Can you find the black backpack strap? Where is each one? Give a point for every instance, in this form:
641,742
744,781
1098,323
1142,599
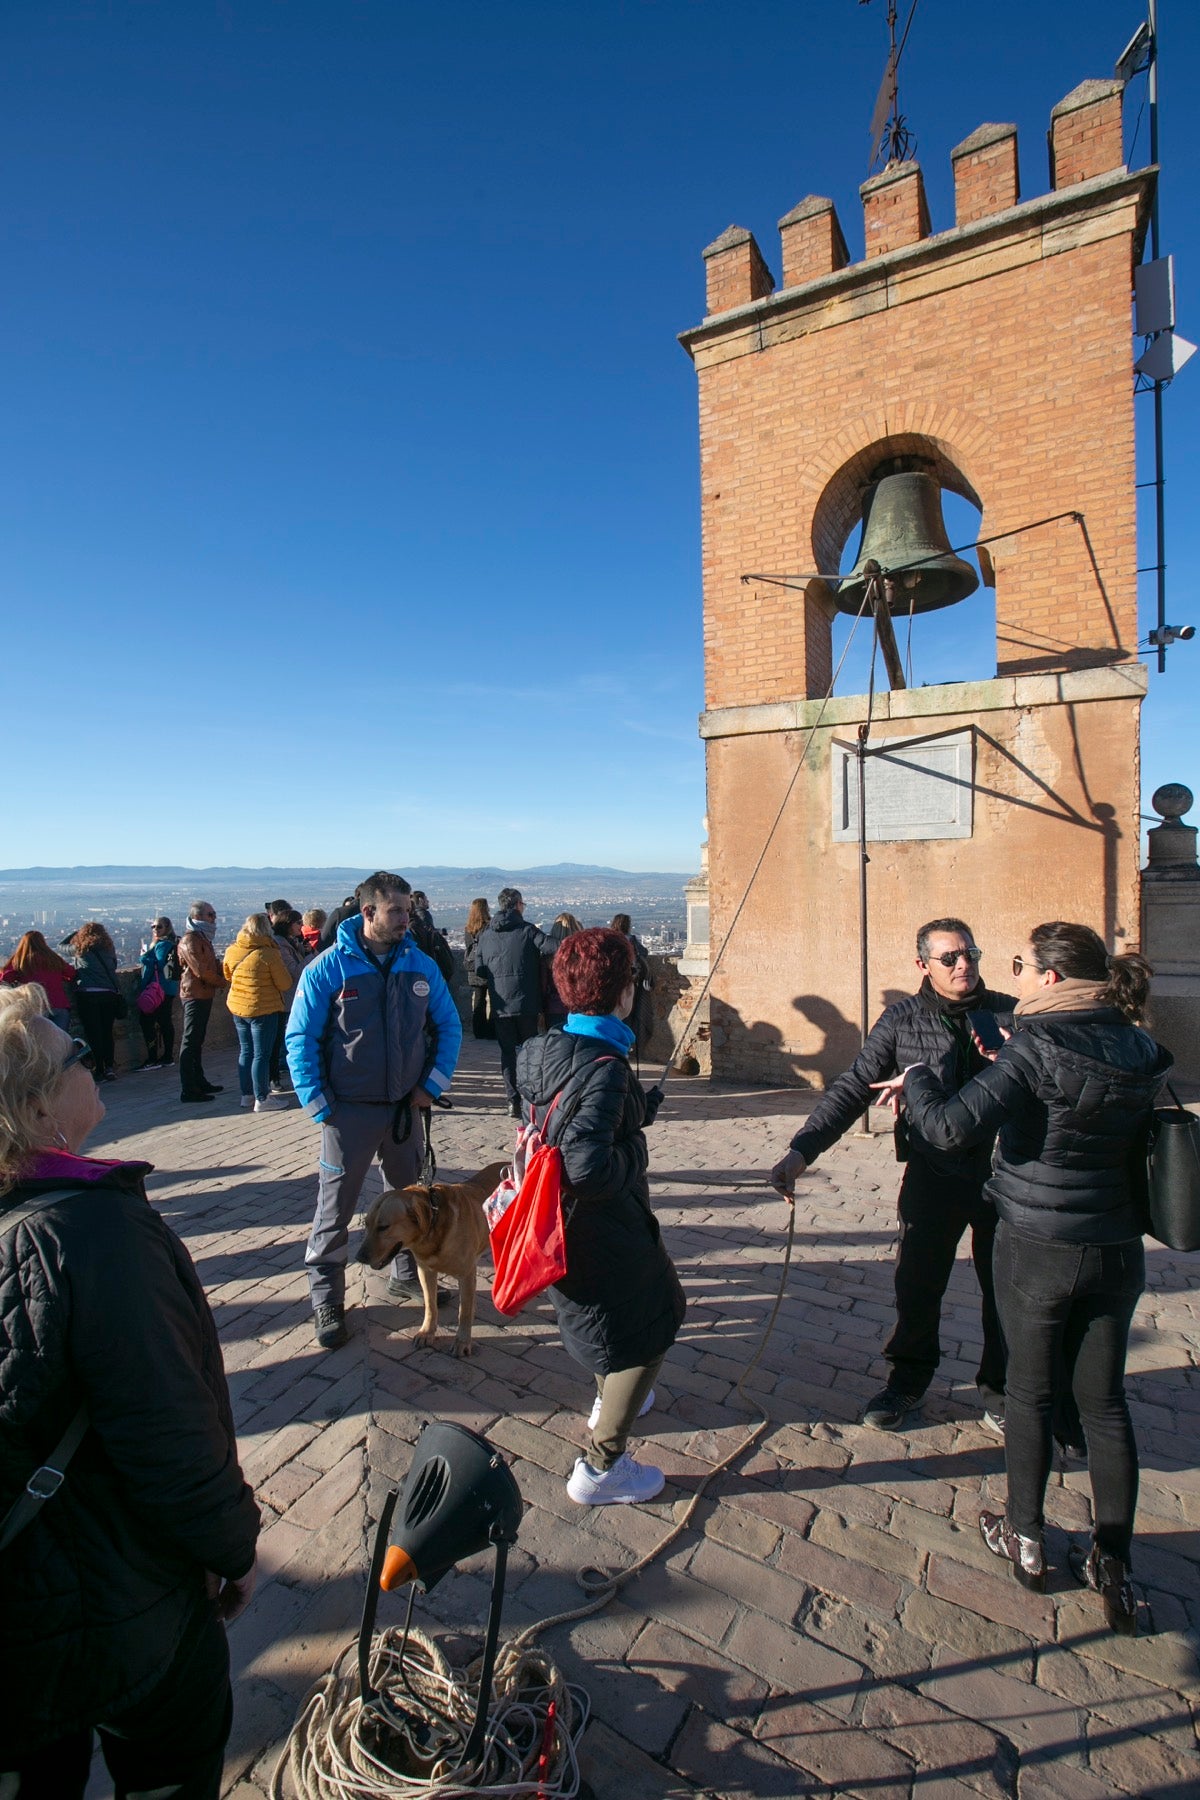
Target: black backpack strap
45,1481
568,1111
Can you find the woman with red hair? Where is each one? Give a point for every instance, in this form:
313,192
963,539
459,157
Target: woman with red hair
34,960
620,1304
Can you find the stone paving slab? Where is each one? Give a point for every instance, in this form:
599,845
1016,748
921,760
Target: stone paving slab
830,1622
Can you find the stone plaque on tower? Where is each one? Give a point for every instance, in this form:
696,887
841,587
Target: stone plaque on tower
915,787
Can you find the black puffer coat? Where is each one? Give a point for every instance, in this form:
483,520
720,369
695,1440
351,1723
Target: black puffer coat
1072,1095
100,1304
509,957
621,1304
470,942
923,1028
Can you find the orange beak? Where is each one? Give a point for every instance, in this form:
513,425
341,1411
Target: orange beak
398,1567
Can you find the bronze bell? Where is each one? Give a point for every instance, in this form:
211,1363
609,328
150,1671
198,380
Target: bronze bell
904,531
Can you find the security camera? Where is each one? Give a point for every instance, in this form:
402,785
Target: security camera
1163,635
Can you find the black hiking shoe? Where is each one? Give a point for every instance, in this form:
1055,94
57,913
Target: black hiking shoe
330,1321
412,1290
889,1410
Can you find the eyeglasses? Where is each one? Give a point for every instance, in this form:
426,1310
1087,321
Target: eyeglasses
82,1053
951,958
1019,963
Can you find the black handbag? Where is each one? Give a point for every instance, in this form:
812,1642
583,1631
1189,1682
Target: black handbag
1172,1200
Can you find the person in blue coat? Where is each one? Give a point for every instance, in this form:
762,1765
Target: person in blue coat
372,1041
160,963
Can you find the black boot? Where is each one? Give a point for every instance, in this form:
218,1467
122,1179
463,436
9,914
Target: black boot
1109,1577
1026,1555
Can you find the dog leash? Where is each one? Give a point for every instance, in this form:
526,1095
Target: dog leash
428,1173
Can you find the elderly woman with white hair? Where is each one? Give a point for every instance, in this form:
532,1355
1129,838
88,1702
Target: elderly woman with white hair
137,1545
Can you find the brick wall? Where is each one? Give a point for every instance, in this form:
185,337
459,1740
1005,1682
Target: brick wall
1001,351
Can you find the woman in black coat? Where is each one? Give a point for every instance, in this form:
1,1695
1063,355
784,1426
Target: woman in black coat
114,1595
478,920
1072,1094
620,1304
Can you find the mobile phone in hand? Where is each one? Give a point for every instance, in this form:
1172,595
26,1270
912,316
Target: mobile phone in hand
987,1030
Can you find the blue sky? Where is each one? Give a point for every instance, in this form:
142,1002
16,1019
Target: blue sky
348,467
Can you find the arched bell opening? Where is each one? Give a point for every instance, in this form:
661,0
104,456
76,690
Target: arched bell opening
908,503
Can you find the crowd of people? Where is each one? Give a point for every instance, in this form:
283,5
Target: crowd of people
1020,1117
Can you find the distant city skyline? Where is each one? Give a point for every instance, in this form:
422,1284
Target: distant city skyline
350,490
127,906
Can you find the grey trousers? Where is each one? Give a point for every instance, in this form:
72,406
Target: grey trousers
351,1138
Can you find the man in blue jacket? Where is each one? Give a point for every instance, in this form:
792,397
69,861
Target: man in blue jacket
372,1041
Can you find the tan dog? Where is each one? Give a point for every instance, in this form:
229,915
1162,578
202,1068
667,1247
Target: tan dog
446,1231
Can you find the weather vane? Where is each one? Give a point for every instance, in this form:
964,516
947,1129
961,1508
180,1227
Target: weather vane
891,140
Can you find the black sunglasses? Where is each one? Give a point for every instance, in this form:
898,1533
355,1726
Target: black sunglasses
82,1053
1019,963
949,958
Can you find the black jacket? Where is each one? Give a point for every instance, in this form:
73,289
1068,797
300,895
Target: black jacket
620,1304
1072,1095
509,957
329,930
470,943
920,1028
100,1303
433,942
552,1006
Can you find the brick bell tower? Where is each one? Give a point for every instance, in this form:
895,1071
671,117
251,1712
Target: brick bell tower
996,355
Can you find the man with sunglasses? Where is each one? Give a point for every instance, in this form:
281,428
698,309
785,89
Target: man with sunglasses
946,1025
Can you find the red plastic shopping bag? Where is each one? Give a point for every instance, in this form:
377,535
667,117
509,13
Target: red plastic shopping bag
524,1214
528,1248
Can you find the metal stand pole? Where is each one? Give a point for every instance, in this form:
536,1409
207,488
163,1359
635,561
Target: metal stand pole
474,1747
366,1627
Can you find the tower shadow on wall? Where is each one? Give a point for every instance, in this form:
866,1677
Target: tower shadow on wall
757,1052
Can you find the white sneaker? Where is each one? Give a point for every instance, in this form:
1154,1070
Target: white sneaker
246,1102
272,1103
626,1483
594,1415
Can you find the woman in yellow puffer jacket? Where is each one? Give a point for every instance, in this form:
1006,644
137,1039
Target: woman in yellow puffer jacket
258,982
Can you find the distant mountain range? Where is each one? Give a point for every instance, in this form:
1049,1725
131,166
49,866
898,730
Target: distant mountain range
334,877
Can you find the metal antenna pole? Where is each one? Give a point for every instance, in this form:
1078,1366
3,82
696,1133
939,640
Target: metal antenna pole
1159,476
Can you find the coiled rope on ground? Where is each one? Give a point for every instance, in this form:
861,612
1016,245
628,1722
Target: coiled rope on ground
409,1739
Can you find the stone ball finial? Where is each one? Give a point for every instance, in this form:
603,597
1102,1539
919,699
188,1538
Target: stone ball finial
1172,800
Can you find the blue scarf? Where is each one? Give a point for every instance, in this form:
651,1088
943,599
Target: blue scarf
614,1031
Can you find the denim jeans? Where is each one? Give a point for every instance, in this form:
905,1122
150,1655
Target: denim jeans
1066,1310
256,1039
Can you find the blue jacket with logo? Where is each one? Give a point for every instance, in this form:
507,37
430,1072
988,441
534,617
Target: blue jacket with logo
357,1035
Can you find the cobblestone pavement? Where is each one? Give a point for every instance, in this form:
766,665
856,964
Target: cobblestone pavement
830,1623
